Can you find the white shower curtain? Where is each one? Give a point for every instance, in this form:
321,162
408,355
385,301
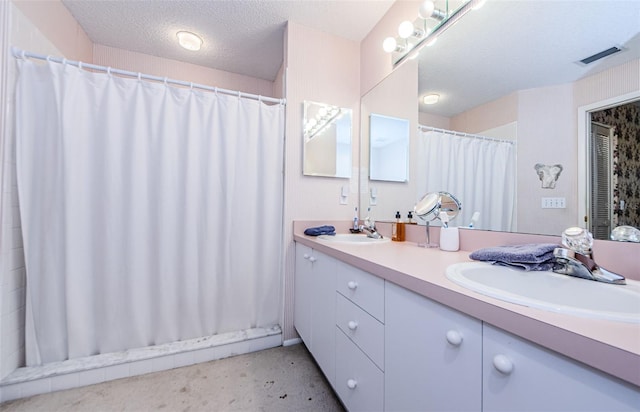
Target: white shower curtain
480,173
150,213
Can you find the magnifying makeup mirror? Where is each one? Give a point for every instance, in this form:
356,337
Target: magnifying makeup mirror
431,205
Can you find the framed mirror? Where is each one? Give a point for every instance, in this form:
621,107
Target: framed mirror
327,140
388,148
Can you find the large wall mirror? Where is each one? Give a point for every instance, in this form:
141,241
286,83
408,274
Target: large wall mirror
327,140
503,74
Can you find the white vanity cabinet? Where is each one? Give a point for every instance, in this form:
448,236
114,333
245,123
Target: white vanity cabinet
519,375
359,339
314,314
433,355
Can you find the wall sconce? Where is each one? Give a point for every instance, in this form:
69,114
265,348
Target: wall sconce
412,36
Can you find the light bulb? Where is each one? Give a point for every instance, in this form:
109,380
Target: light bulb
431,99
426,9
406,29
389,44
189,40
322,112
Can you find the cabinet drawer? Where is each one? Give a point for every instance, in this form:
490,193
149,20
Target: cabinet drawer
362,288
363,329
359,383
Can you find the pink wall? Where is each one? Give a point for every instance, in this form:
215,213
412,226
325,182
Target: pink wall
487,116
174,69
322,68
59,27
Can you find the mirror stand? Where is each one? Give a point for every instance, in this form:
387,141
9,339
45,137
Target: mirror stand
428,244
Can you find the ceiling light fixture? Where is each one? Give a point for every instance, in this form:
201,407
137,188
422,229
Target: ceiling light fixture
431,98
189,41
413,36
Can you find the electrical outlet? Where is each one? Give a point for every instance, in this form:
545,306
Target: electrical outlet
553,203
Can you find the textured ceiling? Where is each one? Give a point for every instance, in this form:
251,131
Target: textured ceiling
240,36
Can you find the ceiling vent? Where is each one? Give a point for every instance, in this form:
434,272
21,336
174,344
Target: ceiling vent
601,55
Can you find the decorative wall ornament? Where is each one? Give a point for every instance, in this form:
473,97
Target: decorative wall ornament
548,174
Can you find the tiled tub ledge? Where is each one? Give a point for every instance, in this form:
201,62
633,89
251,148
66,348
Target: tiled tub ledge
28,381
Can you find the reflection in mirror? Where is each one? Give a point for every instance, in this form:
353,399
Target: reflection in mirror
327,140
527,86
614,184
479,169
432,206
388,148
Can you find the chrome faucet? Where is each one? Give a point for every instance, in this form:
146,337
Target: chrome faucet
369,228
371,231
577,260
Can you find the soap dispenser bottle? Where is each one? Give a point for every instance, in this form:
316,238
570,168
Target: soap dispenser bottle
397,229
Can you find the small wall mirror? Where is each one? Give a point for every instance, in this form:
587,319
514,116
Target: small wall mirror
327,140
388,148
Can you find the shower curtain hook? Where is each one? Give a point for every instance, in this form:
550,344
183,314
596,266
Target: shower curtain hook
191,85
48,58
23,55
64,61
165,81
215,90
80,65
109,70
139,76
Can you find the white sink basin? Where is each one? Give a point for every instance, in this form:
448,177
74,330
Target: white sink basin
551,291
357,238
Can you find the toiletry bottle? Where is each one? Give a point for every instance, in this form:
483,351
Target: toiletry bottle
449,236
410,220
355,228
397,229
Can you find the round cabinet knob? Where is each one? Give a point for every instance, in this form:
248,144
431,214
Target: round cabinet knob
352,285
454,338
306,256
353,325
312,259
503,364
352,383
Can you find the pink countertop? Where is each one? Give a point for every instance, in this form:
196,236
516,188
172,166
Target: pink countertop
613,347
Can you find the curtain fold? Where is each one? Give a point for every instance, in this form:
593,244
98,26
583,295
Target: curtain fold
150,213
478,172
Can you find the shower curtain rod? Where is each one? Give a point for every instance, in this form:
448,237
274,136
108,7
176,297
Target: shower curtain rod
462,134
21,54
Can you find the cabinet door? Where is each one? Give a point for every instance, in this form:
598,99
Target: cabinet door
303,292
521,376
323,313
433,355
